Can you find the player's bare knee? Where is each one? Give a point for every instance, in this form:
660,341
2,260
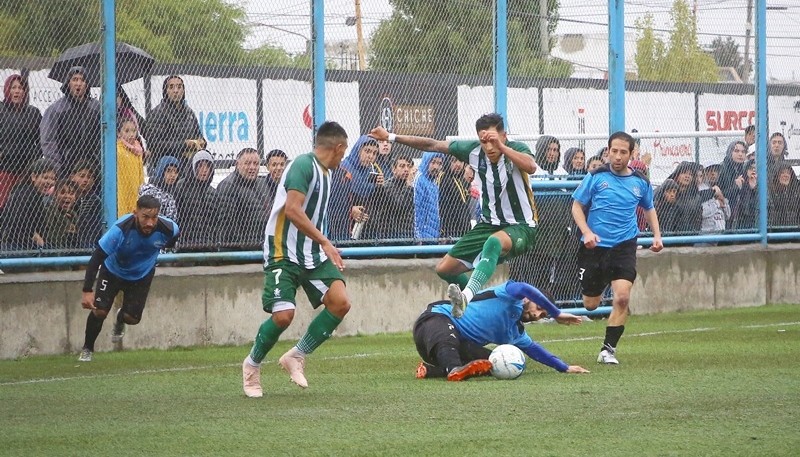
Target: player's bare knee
131,320
591,303
101,313
283,318
338,306
621,300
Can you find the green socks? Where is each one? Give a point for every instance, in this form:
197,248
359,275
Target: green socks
485,268
318,331
267,336
460,279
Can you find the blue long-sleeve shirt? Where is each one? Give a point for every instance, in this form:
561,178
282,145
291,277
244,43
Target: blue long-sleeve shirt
493,316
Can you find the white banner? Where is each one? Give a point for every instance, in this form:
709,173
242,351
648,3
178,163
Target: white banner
474,102
288,113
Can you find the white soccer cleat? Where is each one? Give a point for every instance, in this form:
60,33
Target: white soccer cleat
86,355
294,364
251,380
457,299
608,357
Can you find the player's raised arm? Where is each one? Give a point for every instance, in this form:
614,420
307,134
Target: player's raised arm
417,142
524,162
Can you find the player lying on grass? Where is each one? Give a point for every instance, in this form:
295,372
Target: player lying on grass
454,348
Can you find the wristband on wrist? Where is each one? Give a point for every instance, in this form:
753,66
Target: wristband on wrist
392,137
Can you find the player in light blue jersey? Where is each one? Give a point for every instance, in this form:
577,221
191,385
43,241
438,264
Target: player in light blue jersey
607,253
455,348
126,256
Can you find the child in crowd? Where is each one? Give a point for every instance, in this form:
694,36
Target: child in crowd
61,219
88,206
162,186
130,166
22,224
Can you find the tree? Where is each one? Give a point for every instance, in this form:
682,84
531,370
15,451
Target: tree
172,31
726,54
423,36
682,60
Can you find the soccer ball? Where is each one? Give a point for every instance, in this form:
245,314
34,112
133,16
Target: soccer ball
508,361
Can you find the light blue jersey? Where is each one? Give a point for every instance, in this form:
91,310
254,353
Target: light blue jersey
493,317
132,255
612,200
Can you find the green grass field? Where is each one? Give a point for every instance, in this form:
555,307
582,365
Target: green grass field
689,384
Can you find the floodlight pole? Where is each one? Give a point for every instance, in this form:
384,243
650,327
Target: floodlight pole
109,113
318,62
501,59
616,66
762,146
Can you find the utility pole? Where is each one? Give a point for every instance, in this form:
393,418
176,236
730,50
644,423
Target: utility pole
747,33
544,33
362,59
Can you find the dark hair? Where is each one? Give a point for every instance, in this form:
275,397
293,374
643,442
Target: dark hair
247,151
276,153
148,202
402,157
39,166
66,183
328,133
85,164
749,129
488,121
123,119
624,137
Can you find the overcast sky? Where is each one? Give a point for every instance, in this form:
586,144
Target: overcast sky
715,17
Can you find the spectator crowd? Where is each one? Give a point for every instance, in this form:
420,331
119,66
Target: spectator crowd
50,194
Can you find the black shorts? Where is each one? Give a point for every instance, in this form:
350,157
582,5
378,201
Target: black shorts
599,266
134,292
434,329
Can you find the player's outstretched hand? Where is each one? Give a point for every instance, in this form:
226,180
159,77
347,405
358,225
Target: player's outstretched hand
577,369
591,240
333,254
569,319
658,245
379,133
87,300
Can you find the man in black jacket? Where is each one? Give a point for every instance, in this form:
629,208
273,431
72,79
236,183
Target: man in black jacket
243,204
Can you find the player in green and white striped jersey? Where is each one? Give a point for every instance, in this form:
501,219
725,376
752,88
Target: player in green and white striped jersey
297,253
508,213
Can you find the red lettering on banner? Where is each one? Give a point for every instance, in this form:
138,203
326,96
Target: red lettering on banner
670,150
729,120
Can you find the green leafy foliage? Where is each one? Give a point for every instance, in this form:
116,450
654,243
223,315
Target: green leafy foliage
679,60
455,37
172,31
726,54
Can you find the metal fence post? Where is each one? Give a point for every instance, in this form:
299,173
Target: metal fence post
109,113
501,59
762,146
318,61
616,66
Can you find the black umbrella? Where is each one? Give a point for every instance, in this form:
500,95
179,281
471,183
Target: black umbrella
132,63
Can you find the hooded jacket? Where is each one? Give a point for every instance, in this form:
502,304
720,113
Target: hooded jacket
784,201
690,199
543,167
244,209
196,201
729,171
568,156
362,185
745,211
19,131
426,200
160,190
70,128
667,212
454,202
169,125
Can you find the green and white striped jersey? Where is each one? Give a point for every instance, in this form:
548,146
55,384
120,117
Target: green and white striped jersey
506,195
283,241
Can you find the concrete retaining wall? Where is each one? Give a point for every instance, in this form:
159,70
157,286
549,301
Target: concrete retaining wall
40,313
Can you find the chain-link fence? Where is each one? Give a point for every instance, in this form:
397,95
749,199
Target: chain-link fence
216,97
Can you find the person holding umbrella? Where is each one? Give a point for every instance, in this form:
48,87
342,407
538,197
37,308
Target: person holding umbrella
171,128
70,128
